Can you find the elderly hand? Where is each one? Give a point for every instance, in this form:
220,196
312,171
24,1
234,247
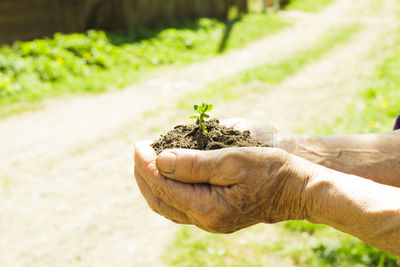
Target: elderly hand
224,190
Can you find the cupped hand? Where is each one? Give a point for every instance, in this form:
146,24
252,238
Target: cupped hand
223,190
262,133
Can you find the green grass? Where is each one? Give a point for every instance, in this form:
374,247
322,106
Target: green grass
308,5
259,78
334,248
277,245
196,248
99,61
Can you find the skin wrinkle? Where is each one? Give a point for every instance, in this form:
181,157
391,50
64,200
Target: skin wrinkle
281,196
193,163
309,206
220,194
202,191
195,221
339,159
393,233
225,217
391,230
356,211
276,202
221,220
330,155
248,205
157,205
170,198
160,191
141,185
305,213
304,203
318,191
211,199
231,223
372,156
243,205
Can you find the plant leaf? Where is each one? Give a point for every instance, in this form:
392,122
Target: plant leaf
209,108
195,107
193,117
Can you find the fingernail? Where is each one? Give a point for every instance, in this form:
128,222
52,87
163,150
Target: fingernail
166,162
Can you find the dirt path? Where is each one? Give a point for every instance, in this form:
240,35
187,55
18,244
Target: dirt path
321,92
66,190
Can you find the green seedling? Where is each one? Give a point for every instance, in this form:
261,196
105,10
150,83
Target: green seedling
202,111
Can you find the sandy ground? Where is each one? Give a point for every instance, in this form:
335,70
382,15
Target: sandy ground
67,196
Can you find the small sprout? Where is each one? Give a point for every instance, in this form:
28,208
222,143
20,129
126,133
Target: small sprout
202,111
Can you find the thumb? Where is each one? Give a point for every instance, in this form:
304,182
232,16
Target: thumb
195,166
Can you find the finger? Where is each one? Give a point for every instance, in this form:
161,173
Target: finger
157,205
144,153
217,167
181,196
144,156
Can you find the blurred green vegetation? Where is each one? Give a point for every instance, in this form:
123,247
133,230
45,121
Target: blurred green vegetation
308,5
334,248
196,248
259,78
299,5
294,243
98,61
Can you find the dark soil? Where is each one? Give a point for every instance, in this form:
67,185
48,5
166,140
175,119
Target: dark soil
192,137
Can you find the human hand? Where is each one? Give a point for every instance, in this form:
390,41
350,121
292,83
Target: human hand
264,134
223,190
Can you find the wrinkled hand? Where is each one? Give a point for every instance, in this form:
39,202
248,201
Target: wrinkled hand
222,190
264,134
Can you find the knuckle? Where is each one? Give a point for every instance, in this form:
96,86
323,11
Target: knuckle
229,162
279,155
229,166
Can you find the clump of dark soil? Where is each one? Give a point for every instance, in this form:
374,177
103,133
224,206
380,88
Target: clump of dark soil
192,137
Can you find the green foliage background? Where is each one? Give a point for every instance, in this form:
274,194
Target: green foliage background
98,61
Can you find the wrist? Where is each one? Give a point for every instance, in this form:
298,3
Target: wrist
334,198
317,194
299,193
